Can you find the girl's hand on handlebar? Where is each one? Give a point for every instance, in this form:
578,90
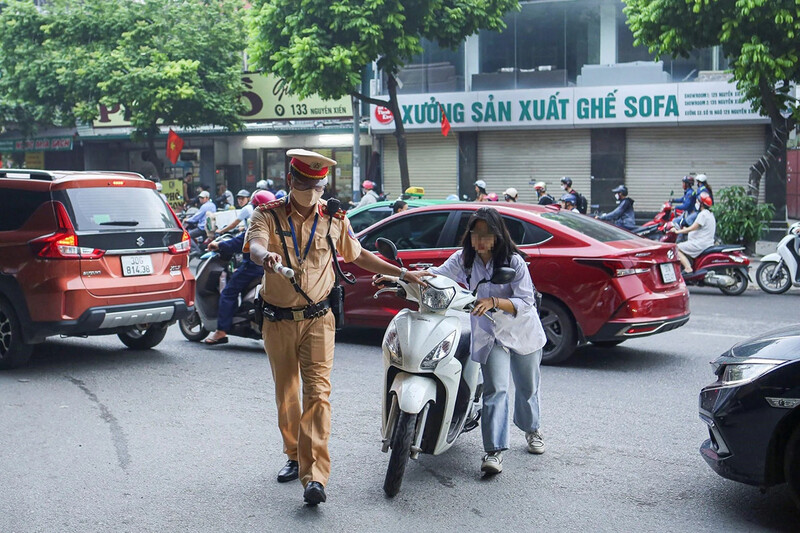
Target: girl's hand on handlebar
482,306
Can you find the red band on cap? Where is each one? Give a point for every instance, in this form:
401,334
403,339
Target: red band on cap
307,171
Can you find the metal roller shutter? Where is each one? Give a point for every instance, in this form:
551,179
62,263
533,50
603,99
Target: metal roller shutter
657,159
513,158
432,164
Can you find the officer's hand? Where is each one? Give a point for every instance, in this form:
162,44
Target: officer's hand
213,246
380,280
270,260
417,277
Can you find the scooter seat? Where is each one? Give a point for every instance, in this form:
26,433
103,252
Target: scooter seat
721,248
463,348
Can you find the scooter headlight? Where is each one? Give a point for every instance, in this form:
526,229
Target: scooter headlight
392,343
437,299
438,353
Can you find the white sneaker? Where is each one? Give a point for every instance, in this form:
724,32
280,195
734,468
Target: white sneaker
492,463
535,442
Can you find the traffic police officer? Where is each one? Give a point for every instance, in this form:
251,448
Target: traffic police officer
299,328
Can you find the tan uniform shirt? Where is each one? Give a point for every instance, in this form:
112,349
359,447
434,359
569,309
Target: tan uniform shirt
316,274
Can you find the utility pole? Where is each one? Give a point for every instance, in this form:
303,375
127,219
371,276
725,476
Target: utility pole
356,150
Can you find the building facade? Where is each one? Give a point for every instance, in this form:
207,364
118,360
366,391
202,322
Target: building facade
562,91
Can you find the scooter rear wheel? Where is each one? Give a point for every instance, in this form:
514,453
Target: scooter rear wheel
192,328
781,282
401,451
737,288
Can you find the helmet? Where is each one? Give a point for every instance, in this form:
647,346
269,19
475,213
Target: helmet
481,184
159,187
566,180
243,193
540,186
452,197
492,197
794,229
369,185
569,198
280,194
688,180
621,189
701,178
262,197
511,192
262,184
705,199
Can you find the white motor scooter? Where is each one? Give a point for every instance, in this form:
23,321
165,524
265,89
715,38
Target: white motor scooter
431,393
780,270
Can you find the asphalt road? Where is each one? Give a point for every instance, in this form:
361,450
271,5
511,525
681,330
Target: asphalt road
95,437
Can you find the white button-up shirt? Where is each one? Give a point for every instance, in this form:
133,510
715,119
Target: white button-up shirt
523,332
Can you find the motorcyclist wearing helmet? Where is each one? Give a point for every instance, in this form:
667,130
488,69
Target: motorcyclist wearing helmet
703,185
566,186
480,191
492,197
701,232
246,209
369,196
241,277
687,201
568,201
541,193
160,189
623,215
510,194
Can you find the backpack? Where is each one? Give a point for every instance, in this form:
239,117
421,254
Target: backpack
582,203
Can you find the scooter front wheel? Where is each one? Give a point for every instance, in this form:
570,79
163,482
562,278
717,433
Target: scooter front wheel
773,278
192,327
401,451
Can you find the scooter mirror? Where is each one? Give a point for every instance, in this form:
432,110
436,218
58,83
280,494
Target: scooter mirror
503,275
386,248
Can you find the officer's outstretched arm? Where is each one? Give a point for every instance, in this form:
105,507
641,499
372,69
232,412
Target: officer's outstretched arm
369,261
260,255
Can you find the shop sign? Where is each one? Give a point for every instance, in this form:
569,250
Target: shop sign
34,159
266,97
173,190
51,144
668,104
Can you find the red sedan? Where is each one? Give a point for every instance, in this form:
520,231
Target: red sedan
600,284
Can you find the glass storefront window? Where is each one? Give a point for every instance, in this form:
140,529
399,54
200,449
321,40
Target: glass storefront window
545,44
435,70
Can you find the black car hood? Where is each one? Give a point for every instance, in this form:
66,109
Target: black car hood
783,344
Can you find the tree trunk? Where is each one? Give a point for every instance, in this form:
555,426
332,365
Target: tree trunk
399,134
775,151
152,155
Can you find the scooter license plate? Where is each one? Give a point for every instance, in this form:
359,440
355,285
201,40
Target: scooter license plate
668,272
136,265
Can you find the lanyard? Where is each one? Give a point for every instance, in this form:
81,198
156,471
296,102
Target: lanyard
301,259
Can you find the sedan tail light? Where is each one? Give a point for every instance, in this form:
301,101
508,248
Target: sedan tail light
180,247
617,268
63,243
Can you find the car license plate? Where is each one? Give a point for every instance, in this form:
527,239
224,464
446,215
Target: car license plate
668,272
137,265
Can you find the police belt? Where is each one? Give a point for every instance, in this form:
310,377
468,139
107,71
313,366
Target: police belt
297,314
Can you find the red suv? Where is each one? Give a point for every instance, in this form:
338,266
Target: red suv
88,253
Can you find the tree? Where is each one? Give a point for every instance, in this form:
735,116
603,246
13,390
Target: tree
162,61
323,46
759,38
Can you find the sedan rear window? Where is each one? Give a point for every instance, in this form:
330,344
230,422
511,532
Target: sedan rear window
115,208
590,227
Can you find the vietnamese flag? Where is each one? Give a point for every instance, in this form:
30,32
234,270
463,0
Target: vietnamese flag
174,146
445,122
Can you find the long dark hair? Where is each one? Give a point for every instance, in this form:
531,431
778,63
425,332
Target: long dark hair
504,246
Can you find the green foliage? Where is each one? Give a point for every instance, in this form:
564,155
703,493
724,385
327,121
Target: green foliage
758,37
162,60
322,46
740,219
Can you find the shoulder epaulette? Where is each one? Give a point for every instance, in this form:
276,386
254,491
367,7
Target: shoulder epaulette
271,205
340,214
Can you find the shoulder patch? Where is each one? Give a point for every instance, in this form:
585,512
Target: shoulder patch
340,214
270,205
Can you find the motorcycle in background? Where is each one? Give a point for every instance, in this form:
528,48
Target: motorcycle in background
723,266
658,229
431,390
781,269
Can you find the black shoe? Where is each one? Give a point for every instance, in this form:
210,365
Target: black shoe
288,472
314,493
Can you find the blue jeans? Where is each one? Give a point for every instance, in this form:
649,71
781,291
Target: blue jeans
229,299
524,369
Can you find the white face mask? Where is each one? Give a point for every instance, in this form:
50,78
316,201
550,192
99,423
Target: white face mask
563,187
306,198
616,196
697,206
